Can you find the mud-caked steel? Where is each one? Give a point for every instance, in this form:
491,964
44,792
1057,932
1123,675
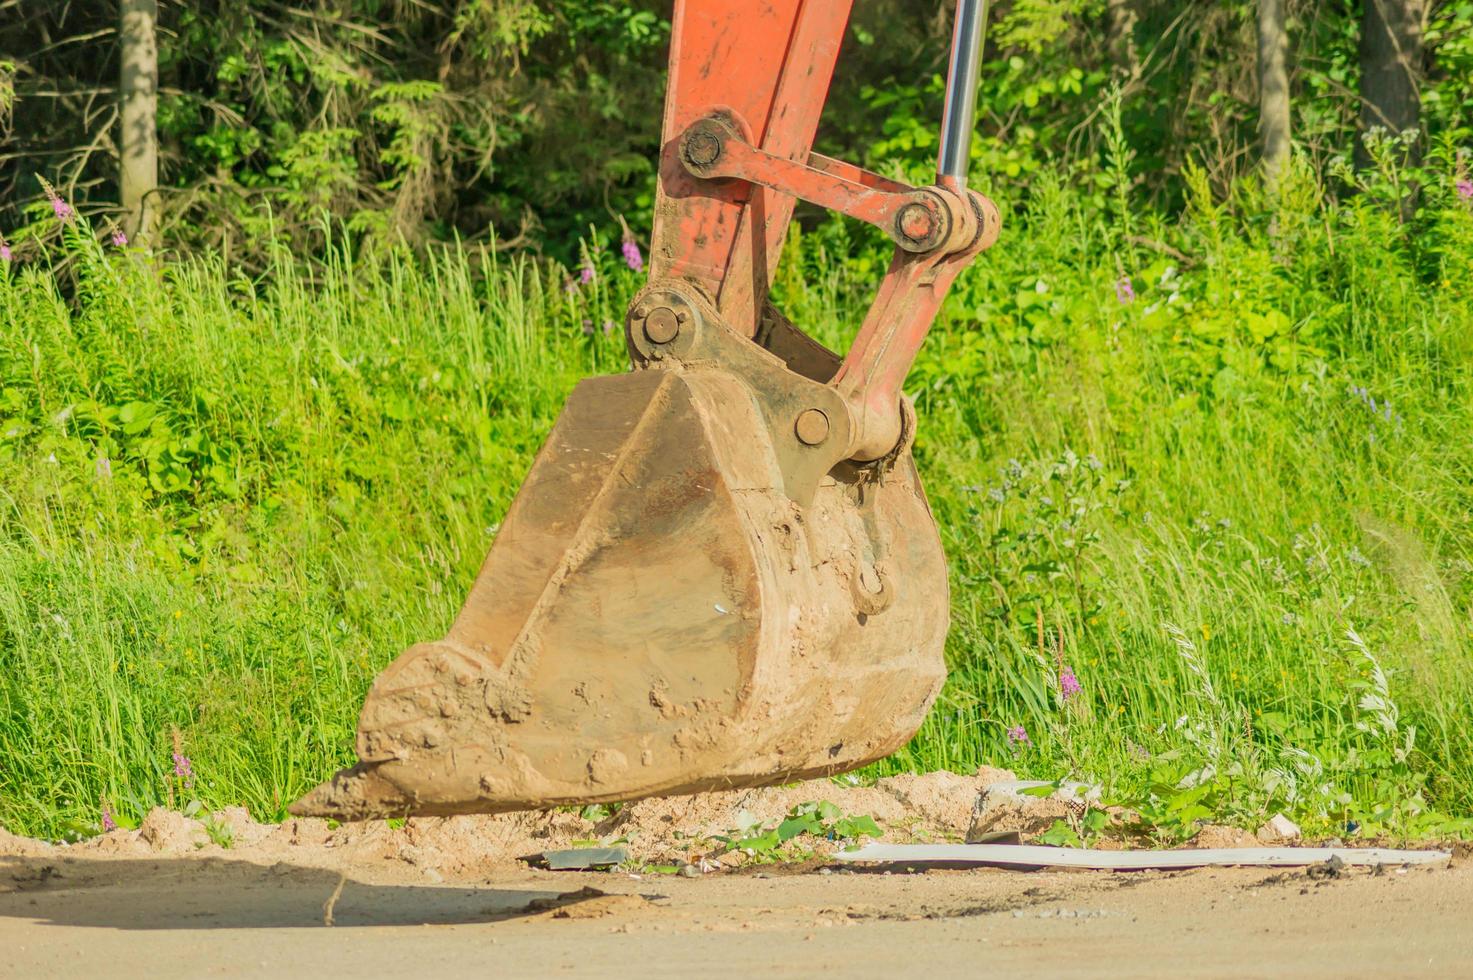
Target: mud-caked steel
721,569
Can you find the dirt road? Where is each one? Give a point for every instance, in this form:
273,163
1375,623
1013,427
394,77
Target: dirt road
448,898
223,917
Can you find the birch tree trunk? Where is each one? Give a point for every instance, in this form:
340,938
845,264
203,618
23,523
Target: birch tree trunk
1274,124
1392,64
138,87
1120,21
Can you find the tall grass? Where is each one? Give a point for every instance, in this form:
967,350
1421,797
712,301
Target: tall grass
227,501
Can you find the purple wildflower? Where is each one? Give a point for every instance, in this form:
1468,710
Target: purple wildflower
108,823
1068,684
1124,291
588,328
1018,735
119,238
632,258
5,255
609,328
184,769
1465,189
59,207
586,274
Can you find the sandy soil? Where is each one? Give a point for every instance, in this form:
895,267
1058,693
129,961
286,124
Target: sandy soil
449,898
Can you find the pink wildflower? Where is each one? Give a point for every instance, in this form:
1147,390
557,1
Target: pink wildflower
108,823
1124,291
119,238
5,255
1068,684
588,328
1018,735
632,258
1465,189
586,274
184,769
609,328
59,207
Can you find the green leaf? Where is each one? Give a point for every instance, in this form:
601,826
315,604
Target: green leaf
793,826
860,826
1059,835
136,416
760,843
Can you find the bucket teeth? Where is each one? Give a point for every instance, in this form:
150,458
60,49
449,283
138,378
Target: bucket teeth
359,793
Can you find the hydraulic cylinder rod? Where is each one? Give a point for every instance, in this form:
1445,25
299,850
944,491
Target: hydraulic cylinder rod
961,91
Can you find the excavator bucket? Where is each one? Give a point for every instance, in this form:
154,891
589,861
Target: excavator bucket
721,569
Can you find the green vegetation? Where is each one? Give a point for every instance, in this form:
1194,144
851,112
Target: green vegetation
784,840
1223,477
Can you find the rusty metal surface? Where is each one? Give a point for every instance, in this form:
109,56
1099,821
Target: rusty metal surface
770,63
901,316
917,220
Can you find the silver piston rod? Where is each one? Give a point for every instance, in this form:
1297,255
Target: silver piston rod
960,113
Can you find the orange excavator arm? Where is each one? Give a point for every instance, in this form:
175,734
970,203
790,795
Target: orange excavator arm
748,82
721,569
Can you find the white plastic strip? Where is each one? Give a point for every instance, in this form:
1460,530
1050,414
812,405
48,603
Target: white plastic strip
1036,856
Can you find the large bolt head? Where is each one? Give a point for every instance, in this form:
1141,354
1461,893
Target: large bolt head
916,222
812,427
662,325
702,148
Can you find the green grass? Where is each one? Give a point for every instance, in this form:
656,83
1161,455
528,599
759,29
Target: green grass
226,502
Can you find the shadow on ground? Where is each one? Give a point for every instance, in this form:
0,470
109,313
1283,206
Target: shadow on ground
218,893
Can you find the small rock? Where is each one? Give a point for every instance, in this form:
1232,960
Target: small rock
1333,868
1279,827
689,871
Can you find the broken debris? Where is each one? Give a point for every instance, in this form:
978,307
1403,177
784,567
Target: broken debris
1278,828
1035,856
581,858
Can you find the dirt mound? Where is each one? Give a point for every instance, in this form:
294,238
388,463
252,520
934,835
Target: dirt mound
932,807
13,846
170,833
1217,836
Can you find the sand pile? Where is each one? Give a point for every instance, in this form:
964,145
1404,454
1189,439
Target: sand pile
939,806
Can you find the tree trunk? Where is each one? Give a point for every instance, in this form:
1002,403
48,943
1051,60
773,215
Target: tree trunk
1273,89
1391,68
138,88
1121,18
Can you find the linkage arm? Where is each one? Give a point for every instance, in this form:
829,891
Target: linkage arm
917,220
